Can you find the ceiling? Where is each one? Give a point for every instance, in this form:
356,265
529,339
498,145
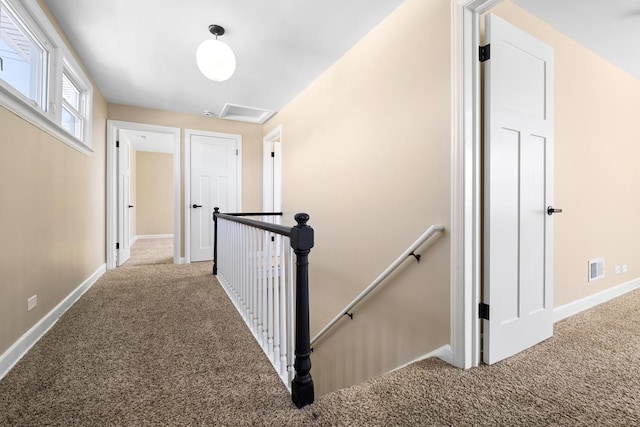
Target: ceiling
610,28
154,142
142,52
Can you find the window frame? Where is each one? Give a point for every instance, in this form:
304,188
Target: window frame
85,100
72,110
60,60
40,40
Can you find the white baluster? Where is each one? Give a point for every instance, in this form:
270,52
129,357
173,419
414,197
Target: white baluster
222,248
252,282
276,302
245,274
234,262
241,271
283,308
269,267
263,269
259,287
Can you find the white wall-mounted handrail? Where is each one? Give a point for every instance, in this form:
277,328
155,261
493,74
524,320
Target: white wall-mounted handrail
409,252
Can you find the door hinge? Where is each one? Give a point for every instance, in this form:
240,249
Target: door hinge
236,151
273,154
483,311
117,245
485,53
117,144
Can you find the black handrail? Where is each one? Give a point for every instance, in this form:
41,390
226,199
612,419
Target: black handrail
301,238
267,226
254,214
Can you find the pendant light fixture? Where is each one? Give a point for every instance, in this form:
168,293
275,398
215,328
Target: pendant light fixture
215,58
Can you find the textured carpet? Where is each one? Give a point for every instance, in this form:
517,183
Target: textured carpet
147,345
151,251
588,374
162,345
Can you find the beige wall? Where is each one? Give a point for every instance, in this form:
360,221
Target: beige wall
154,202
366,154
251,146
597,147
52,218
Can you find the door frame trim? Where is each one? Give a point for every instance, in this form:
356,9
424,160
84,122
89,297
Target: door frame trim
123,214
187,180
466,196
113,126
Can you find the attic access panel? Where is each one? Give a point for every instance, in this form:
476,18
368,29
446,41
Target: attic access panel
245,114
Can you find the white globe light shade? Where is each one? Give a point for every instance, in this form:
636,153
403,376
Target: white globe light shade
215,60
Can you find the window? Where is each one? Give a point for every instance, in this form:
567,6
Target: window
24,58
72,117
40,79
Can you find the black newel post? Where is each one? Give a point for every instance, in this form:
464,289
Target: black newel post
302,242
215,241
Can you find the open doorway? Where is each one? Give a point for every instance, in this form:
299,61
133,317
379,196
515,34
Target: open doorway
149,218
151,197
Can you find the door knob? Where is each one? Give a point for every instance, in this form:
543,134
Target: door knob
196,206
130,206
551,210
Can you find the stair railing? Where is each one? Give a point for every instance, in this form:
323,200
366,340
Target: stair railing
253,261
410,252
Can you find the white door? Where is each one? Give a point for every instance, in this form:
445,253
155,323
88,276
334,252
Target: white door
518,162
272,179
124,201
213,184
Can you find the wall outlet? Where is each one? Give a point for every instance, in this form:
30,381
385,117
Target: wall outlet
617,269
32,302
624,268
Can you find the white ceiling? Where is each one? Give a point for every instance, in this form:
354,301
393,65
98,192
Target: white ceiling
610,28
142,52
154,142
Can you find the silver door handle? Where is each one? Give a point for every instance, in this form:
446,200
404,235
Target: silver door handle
551,210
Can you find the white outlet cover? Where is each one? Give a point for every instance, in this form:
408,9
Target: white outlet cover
617,269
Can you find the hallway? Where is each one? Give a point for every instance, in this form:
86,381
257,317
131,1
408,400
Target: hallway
160,344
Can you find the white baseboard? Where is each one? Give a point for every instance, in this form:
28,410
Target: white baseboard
586,303
154,236
443,353
446,354
133,240
10,357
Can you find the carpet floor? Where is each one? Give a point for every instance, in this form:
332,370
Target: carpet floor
151,251
160,344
